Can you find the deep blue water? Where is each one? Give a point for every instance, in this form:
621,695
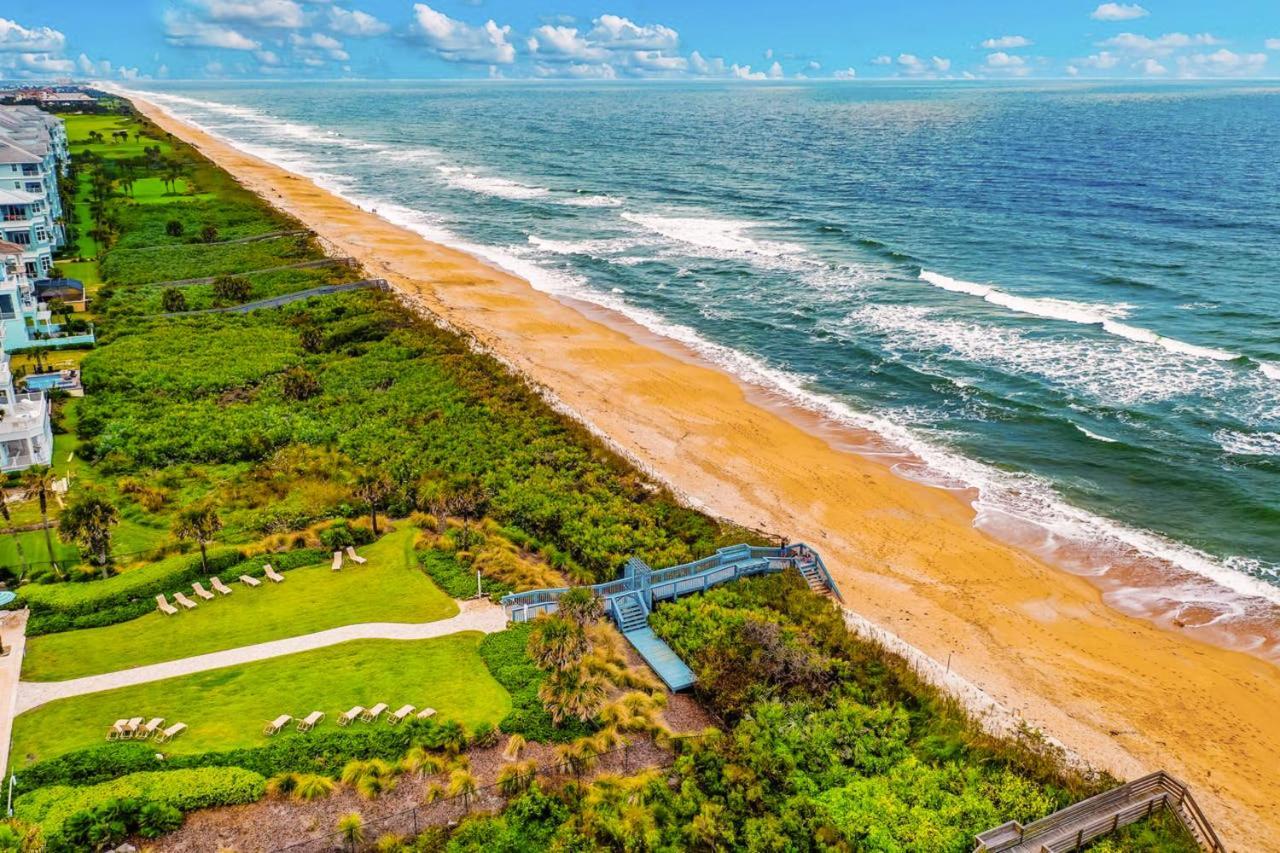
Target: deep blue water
1066,295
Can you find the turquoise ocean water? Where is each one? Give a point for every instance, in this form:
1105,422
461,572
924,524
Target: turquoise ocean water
1064,296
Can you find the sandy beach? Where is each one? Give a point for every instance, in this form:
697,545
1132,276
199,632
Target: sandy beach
1121,691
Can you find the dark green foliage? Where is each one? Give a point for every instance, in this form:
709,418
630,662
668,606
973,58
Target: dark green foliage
505,654
145,225
197,260
172,301
458,580
527,824
231,288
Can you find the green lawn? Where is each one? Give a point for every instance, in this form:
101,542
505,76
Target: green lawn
32,547
227,708
389,588
153,191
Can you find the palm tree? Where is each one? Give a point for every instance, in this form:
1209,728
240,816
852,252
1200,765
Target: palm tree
88,522
17,540
580,605
463,783
556,642
373,488
572,693
467,500
351,828
201,523
38,480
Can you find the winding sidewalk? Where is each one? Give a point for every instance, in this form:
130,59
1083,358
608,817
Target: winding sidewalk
479,615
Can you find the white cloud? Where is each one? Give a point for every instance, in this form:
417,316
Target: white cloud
1006,63
1102,60
1272,44
355,23
612,31
43,63
882,59
845,74
744,72
1005,42
1072,71
564,43
1118,12
280,14
578,70
775,71
658,62
267,57
1151,67
940,63
1160,44
814,65
713,67
457,41
317,46
1222,63
16,37
183,30
913,66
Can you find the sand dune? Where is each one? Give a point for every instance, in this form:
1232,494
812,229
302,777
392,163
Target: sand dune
1126,694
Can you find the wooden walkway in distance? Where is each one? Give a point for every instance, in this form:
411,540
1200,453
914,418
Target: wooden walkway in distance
286,298
210,279
1075,826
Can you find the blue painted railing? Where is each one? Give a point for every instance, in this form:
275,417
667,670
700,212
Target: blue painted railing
727,564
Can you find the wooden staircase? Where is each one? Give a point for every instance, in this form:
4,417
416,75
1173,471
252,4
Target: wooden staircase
814,578
1075,826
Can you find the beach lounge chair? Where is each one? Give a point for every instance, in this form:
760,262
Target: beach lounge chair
347,717
201,591
249,581
131,727
277,724
117,730
309,722
272,574
337,560
216,583
184,601
401,712
351,552
165,607
149,728
426,713
374,713
171,732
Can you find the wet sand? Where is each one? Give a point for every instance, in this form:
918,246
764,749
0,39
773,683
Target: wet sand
1121,691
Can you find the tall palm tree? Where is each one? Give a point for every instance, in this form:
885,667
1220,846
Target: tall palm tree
373,488
201,523
556,642
88,522
573,693
38,480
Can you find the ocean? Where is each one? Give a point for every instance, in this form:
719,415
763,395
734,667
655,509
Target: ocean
1062,299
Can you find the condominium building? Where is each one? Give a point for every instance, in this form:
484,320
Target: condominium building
33,153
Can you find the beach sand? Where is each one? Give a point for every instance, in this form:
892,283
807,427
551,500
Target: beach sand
1126,694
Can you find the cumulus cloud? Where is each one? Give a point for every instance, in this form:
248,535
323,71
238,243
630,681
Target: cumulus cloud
1102,60
560,42
1160,44
44,63
1005,42
845,74
181,29
1222,63
17,38
616,32
277,14
457,41
744,72
882,59
1118,12
317,46
1151,67
911,65
1006,63
354,23
1272,44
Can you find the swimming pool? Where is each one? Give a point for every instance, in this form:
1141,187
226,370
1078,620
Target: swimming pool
45,381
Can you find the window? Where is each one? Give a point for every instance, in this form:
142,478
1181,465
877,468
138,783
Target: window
22,238
41,234
6,306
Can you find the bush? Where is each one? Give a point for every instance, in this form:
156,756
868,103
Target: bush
457,580
85,811
506,657
172,301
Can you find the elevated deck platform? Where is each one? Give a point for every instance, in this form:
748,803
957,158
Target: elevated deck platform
662,658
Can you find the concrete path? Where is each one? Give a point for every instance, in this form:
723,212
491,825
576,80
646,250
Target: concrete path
479,615
13,632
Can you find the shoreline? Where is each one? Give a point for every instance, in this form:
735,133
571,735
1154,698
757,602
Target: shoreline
1123,692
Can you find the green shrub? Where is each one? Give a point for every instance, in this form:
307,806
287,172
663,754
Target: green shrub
505,655
456,579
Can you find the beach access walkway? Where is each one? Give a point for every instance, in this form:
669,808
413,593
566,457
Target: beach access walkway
286,298
474,615
629,600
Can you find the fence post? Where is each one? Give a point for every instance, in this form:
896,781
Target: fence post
626,758
415,820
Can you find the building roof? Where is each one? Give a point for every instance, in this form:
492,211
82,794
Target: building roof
7,248
19,197
13,153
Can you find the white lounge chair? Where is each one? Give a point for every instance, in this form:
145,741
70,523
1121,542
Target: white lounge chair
131,727
374,713
216,583
249,581
171,732
347,717
277,724
201,591
184,601
117,730
309,722
351,552
272,574
149,728
401,712
165,607
337,560
426,713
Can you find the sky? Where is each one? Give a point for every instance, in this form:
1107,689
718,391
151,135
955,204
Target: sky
125,40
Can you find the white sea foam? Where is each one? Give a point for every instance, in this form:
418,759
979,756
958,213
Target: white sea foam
1001,494
490,185
1270,369
579,200
1084,313
1094,435
724,235
1248,443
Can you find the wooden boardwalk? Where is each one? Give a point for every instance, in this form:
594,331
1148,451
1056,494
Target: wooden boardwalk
1075,826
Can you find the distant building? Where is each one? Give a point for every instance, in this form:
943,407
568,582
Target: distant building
33,153
26,427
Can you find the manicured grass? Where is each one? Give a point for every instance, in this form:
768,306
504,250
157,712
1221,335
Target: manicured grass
153,191
389,588
84,271
227,708
35,550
